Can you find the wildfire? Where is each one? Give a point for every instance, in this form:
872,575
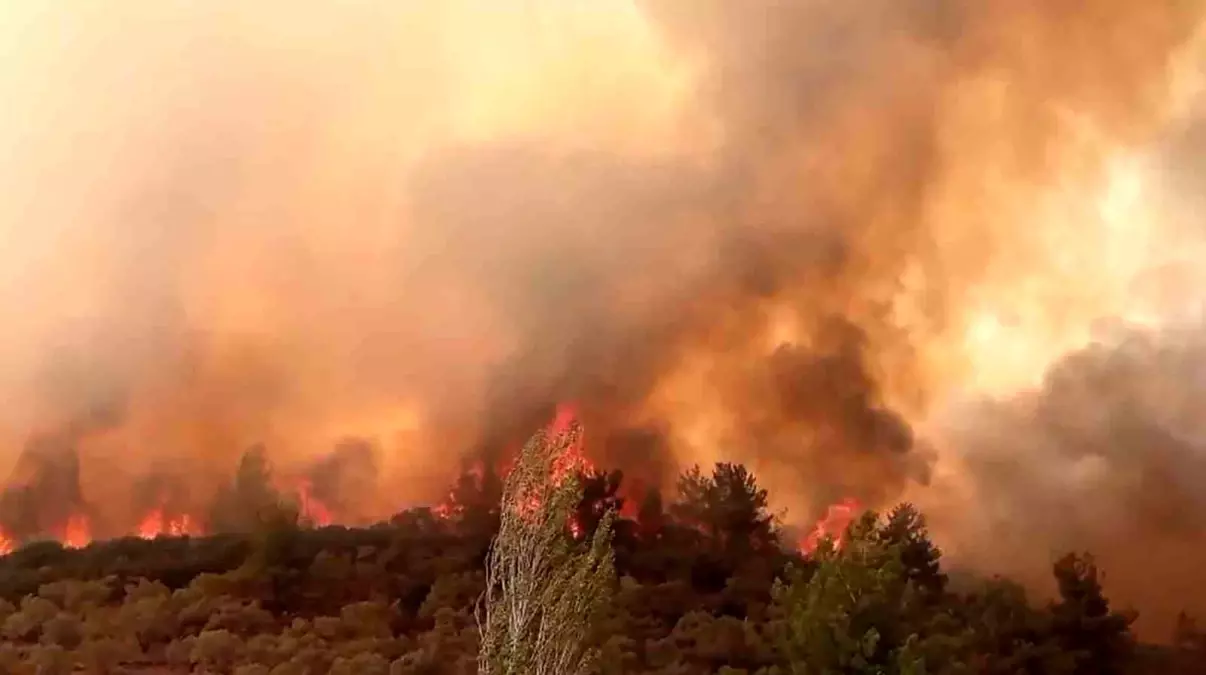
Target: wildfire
833,524
571,458
570,461
77,532
562,419
310,507
447,509
158,524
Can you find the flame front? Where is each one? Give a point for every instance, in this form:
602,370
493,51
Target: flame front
77,531
833,524
310,508
157,524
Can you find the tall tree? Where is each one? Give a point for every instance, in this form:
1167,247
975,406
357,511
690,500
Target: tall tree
847,616
475,500
651,516
250,498
1084,621
600,496
728,506
905,528
544,591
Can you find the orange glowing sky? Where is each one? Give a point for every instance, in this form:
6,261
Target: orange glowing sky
329,108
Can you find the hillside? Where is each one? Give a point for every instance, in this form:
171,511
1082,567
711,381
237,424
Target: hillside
696,593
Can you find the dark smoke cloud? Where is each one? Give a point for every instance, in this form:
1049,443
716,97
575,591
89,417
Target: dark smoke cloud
1108,457
582,337
835,124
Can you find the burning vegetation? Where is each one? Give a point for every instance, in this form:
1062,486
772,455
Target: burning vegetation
255,490
702,586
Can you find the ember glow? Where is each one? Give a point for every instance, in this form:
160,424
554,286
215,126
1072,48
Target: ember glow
807,239
833,525
76,532
565,434
157,524
573,460
311,509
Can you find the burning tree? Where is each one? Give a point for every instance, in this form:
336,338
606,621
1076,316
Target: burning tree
544,590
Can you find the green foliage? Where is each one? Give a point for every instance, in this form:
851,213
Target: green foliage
243,504
879,605
905,529
693,598
852,613
1084,621
651,516
728,506
543,593
475,500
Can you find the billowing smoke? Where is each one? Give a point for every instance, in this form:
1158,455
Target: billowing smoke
340,481
1109,456
781,236
1107,453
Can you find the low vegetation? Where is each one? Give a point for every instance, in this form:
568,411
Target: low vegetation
698,585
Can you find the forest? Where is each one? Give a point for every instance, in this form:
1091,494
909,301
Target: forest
699,581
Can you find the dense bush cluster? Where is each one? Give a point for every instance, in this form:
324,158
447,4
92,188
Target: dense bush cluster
703,586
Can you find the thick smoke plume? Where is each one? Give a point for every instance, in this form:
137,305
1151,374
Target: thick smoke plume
780,235
1109,456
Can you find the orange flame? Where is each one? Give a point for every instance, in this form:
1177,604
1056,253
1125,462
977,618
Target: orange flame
570,461
157,524
446,510
312,509
77,531
833,524
565,415
573,459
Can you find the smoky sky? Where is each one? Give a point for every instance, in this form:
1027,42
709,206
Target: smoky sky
1108,456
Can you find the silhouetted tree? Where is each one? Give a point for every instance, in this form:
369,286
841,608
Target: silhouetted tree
270,561
727,506
1006,634
1187,635
475,500
905,528
651,516
600,496
1188,654
1084,621
249,498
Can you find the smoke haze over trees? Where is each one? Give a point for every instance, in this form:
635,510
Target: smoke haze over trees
399,598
